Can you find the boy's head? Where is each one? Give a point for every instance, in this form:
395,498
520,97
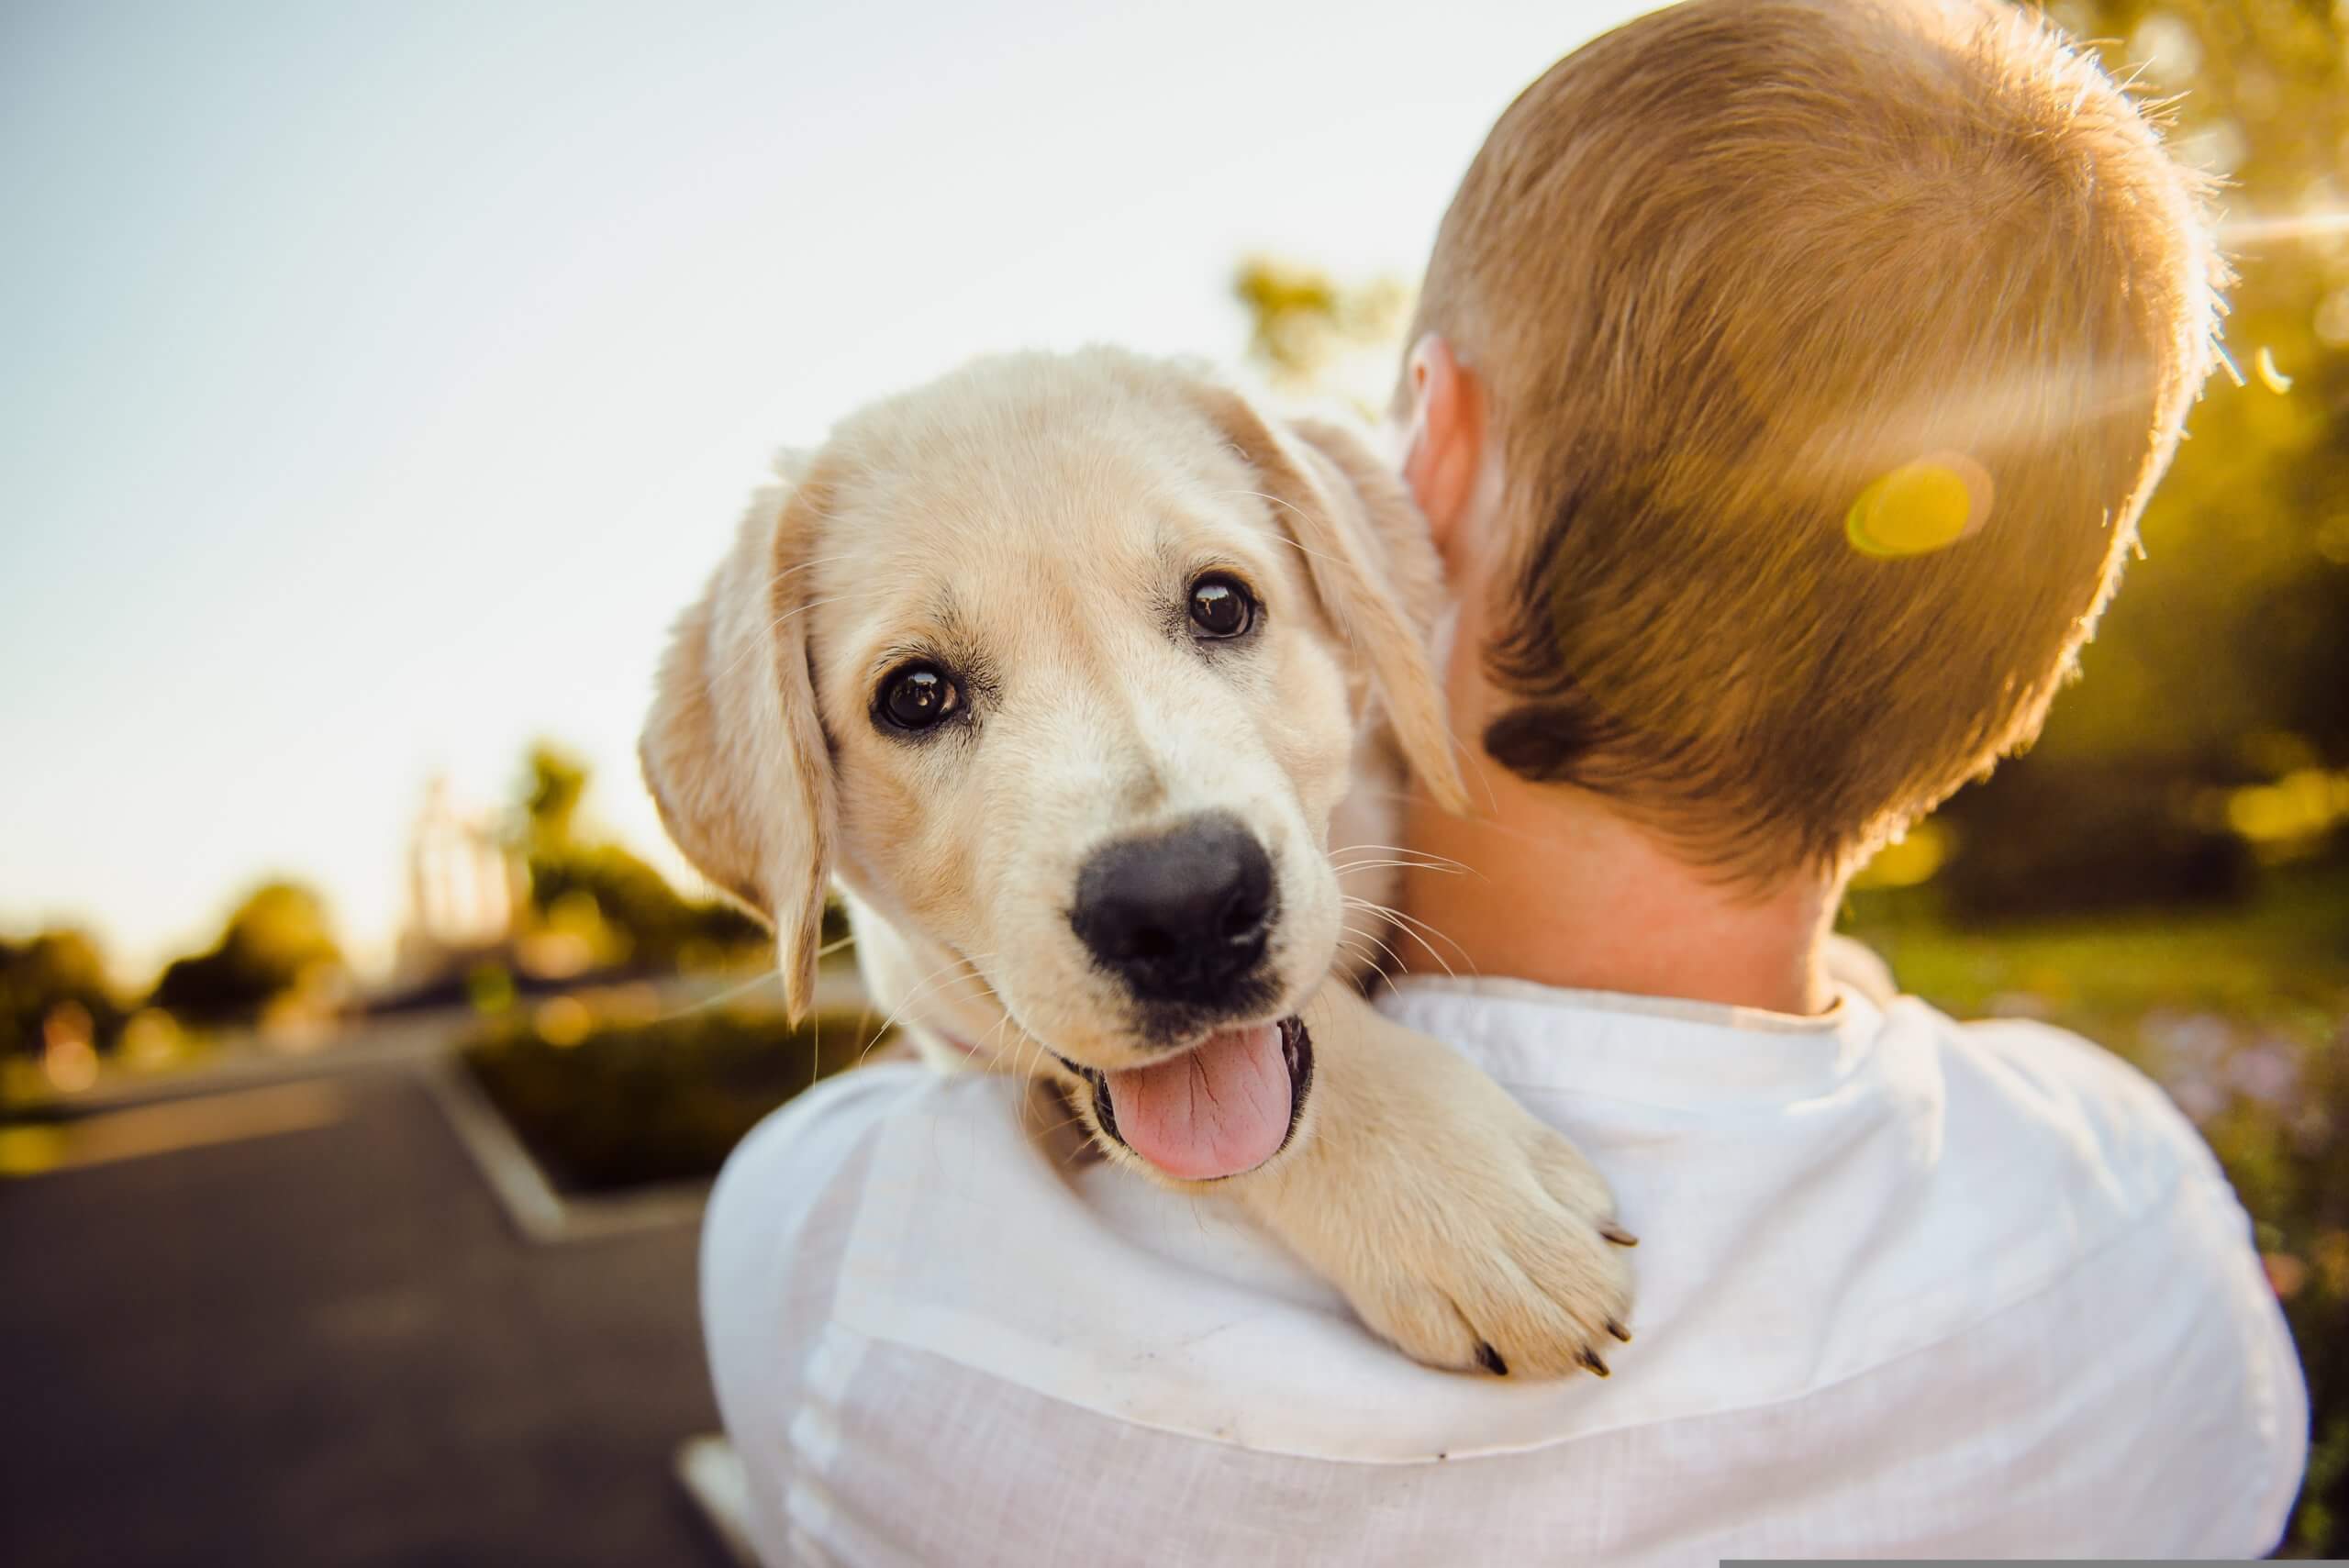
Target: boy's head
1826,350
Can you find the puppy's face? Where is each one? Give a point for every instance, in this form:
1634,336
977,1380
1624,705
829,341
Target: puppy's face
1061,665
1089,720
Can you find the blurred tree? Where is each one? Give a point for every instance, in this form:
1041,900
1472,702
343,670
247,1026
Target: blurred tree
553,784
1310,334
2225,662
63,967
604,905
2228,634
278,940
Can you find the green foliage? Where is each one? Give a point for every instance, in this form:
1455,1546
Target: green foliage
278,940
622,911
553,784
55,967
2081,835
1309,333
2226,657
655,1101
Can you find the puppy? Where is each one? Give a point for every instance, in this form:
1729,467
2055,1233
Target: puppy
1070,671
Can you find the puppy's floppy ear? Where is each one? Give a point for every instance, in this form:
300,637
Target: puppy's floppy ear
1372,563
733,749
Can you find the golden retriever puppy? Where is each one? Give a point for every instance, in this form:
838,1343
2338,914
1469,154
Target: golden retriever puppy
1070,671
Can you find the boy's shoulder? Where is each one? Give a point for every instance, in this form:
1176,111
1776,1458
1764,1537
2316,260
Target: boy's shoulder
827,1132
2053,1085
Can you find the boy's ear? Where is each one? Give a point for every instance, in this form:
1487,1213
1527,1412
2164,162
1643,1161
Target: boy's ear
1368,552
1444,445
733,751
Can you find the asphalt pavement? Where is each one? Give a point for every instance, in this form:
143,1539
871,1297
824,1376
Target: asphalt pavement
314,1338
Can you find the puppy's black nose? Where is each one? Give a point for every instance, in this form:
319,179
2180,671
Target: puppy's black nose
1180,916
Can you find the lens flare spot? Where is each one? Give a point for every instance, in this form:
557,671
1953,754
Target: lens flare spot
562,1022
1919,508
2272,379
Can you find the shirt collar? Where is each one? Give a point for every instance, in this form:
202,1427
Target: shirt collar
1618,1046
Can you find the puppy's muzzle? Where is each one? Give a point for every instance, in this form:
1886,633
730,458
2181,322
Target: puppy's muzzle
1182,917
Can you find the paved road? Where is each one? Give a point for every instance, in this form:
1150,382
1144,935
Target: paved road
327,1347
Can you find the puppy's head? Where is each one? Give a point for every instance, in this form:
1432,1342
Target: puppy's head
1061,664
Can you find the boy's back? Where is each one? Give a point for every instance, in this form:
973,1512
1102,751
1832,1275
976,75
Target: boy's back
1909,1288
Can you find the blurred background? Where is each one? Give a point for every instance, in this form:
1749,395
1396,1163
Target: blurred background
378,383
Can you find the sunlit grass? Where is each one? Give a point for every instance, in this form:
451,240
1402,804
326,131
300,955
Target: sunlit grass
2279,957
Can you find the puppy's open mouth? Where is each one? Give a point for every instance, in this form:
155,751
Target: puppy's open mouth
1226,1106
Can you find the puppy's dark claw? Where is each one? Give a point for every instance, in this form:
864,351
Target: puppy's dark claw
1616,1234
1619,1330
1590,1359
1490,1360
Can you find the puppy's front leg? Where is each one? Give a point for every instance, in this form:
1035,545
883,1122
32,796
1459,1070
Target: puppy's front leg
1458,1225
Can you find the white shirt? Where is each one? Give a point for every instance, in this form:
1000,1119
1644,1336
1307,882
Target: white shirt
1906,1288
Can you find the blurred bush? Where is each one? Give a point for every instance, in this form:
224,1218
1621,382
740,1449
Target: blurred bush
605,1103
278,945
275,966
55,974
592,904
2090,835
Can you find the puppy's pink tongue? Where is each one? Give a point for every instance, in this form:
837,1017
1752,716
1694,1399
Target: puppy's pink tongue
1215,1111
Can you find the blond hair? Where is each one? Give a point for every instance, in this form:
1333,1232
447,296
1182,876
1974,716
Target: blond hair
1731,276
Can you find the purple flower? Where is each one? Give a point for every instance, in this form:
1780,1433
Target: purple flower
2267,1070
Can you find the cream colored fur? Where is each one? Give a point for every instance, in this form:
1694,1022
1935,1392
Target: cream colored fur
1034,521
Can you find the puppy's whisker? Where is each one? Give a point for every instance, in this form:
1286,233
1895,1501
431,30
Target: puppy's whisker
1072,1119
1422,855
780,578
924,983
943,986
1275,500
722,997
1390,857
808,565
1297,545
1351,867
1394,914
752,652
1343,623
1392,956
1473,758
997,1045
1410,925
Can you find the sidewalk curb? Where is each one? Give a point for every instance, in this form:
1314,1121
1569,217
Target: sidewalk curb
538,1211
711,1474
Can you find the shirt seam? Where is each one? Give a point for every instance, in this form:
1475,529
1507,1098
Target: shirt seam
1710,1015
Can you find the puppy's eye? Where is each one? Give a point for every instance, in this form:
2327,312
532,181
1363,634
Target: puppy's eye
1221,606
918,696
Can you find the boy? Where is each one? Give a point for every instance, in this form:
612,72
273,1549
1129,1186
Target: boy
1789,377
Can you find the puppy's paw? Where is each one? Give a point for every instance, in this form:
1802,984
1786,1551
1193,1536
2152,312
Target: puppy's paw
1458,1225
1512,1263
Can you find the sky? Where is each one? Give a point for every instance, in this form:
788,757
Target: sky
378,381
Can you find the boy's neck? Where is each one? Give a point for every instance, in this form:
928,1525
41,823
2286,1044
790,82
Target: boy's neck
1566,893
